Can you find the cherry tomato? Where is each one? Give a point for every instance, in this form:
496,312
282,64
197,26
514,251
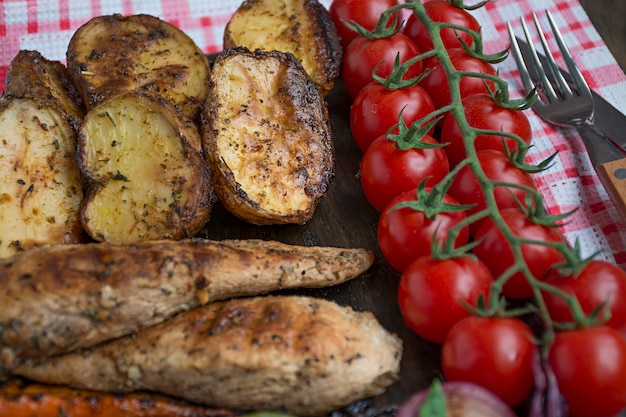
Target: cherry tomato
497,167
364,12
363,55
495,353
482,112
495,251
590,368
432,292
387,171
441,11
599,282
376,109
405,234
436,83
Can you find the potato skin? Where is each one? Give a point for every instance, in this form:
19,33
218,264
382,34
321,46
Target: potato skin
31,75
301,27
113,54
267,136
146,175
40,184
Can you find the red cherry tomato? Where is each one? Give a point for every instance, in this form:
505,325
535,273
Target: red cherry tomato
599,282
497,167
590,368
405,234
442,11
432,292
436,83
363,55
495,250
364,12
495,353
482,112
376,109
387,171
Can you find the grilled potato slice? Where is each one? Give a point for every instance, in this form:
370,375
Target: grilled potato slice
147,178
32,75
113,54
301,27
267,137
40,184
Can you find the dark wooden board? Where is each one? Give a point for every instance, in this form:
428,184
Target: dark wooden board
344,218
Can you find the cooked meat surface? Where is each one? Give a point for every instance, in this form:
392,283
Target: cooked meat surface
300,355
58,299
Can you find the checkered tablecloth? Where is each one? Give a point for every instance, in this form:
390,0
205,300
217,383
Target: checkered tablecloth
47,26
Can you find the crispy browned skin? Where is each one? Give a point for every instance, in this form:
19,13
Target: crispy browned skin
38,400
31,75
302,355
301,27
112,54
40,183
267,137
146,175
59,299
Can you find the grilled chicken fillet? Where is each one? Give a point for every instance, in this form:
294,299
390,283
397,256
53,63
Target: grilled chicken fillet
300,355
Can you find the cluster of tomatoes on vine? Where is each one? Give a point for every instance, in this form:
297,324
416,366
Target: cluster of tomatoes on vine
415,172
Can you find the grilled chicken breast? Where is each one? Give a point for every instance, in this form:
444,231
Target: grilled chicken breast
300,355
267,137
58,299
303,28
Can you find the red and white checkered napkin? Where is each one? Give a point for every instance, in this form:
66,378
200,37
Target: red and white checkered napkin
47,26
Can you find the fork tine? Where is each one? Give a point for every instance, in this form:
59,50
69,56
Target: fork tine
519,60
553,68
579,80
545,83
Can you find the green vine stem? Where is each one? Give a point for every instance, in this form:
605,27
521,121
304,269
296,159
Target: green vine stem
488,186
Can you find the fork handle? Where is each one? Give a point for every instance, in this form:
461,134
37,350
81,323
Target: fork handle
609,162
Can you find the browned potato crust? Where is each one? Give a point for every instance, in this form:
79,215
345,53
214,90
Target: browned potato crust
301,27
33,76
113,54
267,137
40,185
147,177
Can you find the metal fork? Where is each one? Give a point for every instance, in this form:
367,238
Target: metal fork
565,104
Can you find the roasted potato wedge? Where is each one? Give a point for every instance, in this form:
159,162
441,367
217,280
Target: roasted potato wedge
147,177
113,54
40,185
32,75
301,27
267,137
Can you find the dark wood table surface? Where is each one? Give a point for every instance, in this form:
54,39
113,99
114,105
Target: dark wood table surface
608,19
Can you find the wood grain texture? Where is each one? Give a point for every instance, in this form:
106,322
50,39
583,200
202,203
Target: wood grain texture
608,19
